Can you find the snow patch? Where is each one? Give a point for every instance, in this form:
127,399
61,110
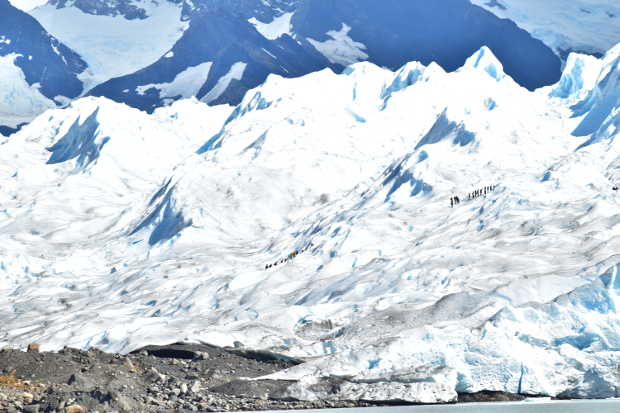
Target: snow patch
341,49
185,85
277,28
235,73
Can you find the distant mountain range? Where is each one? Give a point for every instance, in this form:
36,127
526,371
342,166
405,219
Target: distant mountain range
148,54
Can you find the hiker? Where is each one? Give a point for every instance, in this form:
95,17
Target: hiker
457,200
451,202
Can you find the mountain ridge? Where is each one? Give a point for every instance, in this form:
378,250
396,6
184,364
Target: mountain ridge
149,54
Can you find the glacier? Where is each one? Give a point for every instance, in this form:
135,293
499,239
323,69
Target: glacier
563,26
20,102
113,45
316,222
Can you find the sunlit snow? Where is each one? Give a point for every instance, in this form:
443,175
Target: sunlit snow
27,5
314,219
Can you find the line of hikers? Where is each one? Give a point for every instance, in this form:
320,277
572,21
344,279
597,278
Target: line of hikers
289,257
455,200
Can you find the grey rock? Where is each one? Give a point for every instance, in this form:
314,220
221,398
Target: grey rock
82,382
156,377
32,408
201,355
196,386
153,401
124,403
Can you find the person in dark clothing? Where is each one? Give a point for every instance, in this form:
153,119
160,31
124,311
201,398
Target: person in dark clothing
451,202
457,200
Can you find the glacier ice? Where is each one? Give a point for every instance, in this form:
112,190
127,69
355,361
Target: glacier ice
113,45
390,293
564,26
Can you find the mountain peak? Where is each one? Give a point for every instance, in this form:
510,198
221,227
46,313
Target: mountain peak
484,59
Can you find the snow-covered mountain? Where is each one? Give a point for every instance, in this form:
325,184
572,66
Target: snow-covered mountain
37,71
317,222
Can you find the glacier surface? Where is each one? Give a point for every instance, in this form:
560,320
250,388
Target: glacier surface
314,219
575,25
114,46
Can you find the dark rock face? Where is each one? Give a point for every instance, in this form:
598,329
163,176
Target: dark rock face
447,32
42,58
125,8
224,38
6,131
393,32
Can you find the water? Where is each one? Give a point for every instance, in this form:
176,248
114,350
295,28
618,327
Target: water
544,406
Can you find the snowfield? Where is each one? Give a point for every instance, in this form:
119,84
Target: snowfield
120,229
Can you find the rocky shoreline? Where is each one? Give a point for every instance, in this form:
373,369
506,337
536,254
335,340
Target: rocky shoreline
174,378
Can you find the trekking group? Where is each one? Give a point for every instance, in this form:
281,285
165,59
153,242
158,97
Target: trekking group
455,200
